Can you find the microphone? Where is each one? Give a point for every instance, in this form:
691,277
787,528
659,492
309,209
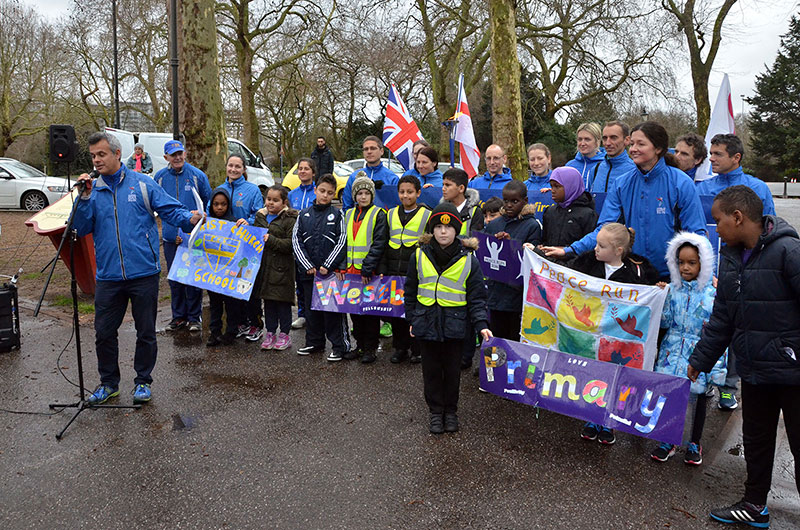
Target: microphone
82,184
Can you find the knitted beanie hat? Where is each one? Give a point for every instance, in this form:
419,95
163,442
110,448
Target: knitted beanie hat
363,183
445,214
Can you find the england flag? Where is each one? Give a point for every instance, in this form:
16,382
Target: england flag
400,131
469,155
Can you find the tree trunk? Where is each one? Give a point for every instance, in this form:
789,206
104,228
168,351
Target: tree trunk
506,103
700,73
201,113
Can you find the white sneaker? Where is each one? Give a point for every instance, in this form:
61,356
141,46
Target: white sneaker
299,323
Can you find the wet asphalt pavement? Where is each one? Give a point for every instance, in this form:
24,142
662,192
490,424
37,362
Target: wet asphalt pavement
238,438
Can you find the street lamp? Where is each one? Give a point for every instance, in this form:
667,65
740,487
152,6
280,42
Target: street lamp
116,69
742,96
644,114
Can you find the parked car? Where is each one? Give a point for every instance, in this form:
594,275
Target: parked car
340,170
23,186
257,172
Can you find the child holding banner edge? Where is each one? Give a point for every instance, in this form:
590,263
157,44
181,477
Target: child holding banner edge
444,295
690,260
613,260
276,276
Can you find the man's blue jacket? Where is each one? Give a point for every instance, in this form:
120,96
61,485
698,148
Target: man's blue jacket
716,184
376,173
608,170
486,181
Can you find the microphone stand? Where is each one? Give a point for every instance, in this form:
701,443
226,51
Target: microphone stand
70,232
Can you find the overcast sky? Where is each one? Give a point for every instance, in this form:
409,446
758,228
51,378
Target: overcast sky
751,40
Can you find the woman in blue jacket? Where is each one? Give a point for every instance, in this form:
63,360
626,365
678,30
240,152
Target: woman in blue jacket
656,200
589,151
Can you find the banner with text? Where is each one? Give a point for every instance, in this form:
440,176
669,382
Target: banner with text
383,296
223,258
587,316
500,259
634,401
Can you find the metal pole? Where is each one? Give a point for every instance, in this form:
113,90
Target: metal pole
116,67
785,187
173,63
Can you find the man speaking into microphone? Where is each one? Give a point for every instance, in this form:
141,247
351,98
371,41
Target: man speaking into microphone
118,209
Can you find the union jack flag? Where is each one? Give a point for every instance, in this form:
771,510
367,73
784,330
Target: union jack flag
400,131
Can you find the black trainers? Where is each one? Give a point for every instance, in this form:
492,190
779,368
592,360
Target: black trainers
355,353
663,452
415,358
308,350
694,454
450,422
590,431
214,340
399,356
368,357
437,424
743,512
606,436
175,324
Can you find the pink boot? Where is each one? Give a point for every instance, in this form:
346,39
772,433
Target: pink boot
283,342
269,341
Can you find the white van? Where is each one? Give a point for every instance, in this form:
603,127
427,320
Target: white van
257,172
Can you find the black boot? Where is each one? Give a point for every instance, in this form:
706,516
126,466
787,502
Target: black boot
437,426
450,422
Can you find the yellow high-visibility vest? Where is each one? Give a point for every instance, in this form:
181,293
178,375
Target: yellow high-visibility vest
358,245
466,225
448,289
409,234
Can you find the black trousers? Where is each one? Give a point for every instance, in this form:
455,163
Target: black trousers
505,324
761,408
321,324
401,338
233,309
441,374
366,331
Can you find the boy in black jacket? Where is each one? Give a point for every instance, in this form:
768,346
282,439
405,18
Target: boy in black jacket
318,241
757,316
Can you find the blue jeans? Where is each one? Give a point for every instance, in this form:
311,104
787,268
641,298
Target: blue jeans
187,301
110,304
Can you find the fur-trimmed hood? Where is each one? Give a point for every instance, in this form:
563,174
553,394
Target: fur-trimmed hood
472,196
470,243
706,258
528,209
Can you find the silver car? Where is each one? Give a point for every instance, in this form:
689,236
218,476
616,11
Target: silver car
23,186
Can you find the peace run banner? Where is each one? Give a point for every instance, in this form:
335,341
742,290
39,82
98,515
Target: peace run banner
587,316
383,296
634,401
223,258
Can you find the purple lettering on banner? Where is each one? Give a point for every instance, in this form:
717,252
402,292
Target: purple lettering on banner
383,296
500,259
627,399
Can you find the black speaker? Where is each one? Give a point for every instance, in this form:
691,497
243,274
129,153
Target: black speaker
9,318
63,146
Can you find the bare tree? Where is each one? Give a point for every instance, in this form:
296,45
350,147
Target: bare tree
701,24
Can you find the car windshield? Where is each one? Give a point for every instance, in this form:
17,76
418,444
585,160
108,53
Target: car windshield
20,170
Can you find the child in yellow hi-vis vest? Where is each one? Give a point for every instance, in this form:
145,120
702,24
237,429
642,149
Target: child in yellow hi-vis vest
367,234
445,294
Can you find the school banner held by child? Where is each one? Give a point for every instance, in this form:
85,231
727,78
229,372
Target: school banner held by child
592,317
221,257
383,296
634,401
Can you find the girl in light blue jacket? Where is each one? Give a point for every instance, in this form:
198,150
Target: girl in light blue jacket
690,260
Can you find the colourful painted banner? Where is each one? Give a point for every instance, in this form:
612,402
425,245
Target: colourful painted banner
223,258
383,296
634,401
587,316
500,259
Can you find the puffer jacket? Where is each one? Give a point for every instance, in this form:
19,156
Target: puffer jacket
562,226
585,164
437,323
147,163
686,311
179,185
275,279
757,310
525,229
124,228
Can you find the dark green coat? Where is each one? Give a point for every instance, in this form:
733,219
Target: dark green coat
275,279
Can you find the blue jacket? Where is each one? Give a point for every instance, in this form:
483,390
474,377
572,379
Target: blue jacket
179,186
716,184
246,198
319,239
536,183
119,215
434,177
656,204
376,173
302,196
485,181
608,170
692,174
586,164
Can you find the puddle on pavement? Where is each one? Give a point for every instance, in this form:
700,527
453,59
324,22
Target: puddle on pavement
737,450
183,422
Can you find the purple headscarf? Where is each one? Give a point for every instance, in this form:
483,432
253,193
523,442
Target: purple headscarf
570,178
